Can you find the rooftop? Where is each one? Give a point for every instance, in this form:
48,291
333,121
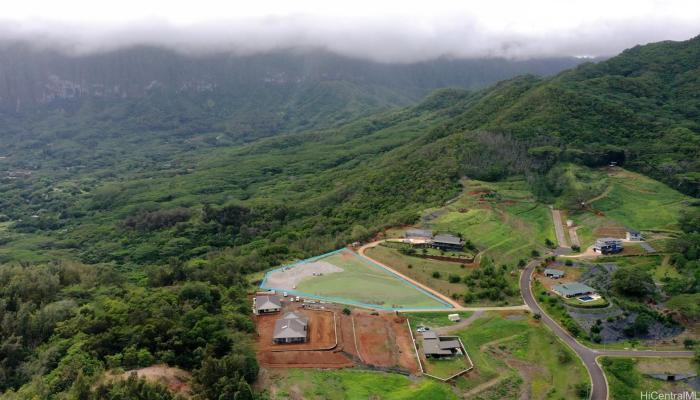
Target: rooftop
448,239
291,325
436,346
573,288
267,302
551,271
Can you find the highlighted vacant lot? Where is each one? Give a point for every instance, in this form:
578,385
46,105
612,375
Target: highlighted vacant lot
344,277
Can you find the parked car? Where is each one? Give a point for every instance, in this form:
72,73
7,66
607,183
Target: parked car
421,329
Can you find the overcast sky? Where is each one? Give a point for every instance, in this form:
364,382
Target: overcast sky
377,29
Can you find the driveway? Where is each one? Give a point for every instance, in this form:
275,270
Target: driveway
559,228
599,389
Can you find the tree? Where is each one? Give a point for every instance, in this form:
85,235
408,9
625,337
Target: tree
346,311
633,282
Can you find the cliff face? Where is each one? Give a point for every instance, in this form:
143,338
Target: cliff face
31,78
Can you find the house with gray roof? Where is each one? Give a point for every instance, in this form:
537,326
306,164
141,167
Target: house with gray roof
572,289
553,273
448,242
266,304
291,328
435,346
419,233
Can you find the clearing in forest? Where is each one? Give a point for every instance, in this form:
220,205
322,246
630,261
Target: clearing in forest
345,277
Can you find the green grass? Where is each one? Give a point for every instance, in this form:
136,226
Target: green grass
356,385
366,283
434,319
626,382
421,269
506,228
524,340
641,203
629,200
445,368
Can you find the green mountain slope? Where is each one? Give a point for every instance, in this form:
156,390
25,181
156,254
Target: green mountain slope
125,250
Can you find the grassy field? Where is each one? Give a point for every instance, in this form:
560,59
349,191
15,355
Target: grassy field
434,319
517,345
421,269
501,218
627,379
629,200
354,385
364,282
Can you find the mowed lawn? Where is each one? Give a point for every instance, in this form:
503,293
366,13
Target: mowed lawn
354,385
421,269
364,282
553,370
506,228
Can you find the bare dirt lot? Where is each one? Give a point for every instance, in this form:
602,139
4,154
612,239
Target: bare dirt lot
380,340
175,379
289,277
384,340
322,332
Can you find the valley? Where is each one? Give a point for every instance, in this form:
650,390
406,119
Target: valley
338,238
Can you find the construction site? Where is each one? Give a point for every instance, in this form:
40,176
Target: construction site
336,339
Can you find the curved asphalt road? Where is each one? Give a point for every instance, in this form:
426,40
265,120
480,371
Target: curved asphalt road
599,390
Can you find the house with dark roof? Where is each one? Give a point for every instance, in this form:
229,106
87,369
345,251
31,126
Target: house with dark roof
572,289
291,328
435,346
266,304
447,242
553,273
607,245
419,233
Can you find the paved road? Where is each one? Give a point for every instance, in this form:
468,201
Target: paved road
599,389
559,228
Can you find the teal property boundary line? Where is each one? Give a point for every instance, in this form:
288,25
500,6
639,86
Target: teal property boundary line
263,285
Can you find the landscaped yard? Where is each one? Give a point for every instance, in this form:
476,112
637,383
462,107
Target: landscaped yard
502,219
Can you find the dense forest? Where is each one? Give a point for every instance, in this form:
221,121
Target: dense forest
122,247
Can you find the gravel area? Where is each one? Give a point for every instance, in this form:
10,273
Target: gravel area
288,278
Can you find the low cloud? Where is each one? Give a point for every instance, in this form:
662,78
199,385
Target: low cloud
380,38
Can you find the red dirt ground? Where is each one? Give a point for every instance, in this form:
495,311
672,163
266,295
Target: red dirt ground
383,340
321,332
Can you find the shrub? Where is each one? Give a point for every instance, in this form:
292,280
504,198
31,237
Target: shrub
436,275
346,311
454,278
